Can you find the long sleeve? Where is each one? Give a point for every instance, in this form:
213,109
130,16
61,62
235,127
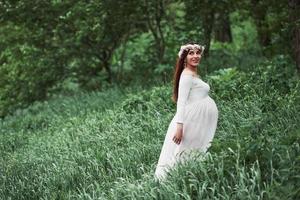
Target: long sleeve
185,84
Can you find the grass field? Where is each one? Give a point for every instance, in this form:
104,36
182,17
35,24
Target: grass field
105,145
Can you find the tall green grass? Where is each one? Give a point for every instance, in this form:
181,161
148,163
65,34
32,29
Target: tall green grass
106,145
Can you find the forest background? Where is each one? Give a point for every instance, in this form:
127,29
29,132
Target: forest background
63,47
77,73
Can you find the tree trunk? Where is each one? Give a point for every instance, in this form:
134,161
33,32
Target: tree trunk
208,27
295,40
263,32
222,28
297,47
122,61
155,26
105,58
106,65
259,12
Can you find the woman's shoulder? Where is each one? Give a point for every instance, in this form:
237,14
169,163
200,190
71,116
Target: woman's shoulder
186,77
188,74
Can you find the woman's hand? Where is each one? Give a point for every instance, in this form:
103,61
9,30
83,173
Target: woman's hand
179,133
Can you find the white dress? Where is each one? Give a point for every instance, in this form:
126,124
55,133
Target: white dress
199,115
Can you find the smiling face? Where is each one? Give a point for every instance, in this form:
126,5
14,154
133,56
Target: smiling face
193,57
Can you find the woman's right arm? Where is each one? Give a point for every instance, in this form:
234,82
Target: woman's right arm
185,84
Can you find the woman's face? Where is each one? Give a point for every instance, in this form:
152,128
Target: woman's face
193,58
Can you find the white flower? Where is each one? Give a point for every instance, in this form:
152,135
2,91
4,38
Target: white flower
190,46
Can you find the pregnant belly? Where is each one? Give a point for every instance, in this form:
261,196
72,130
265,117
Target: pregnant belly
204,108
213,109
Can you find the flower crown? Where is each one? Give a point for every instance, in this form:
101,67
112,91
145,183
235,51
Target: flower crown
190,46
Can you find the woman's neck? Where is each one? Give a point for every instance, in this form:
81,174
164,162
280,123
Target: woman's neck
192,69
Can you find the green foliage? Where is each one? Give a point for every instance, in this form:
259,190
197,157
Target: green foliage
228,83
25,74
46,43
52,47
106,145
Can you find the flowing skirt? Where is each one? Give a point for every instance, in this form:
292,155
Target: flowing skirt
199,126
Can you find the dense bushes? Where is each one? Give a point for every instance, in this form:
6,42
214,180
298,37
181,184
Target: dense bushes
256,150
25,75
74,148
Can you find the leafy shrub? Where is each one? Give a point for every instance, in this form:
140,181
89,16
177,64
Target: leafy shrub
111,153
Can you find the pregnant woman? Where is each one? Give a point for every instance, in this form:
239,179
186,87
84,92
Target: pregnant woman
195,122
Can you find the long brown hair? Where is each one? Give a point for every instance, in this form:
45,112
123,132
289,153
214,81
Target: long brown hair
177,72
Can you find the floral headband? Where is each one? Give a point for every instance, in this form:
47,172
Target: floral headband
190,46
